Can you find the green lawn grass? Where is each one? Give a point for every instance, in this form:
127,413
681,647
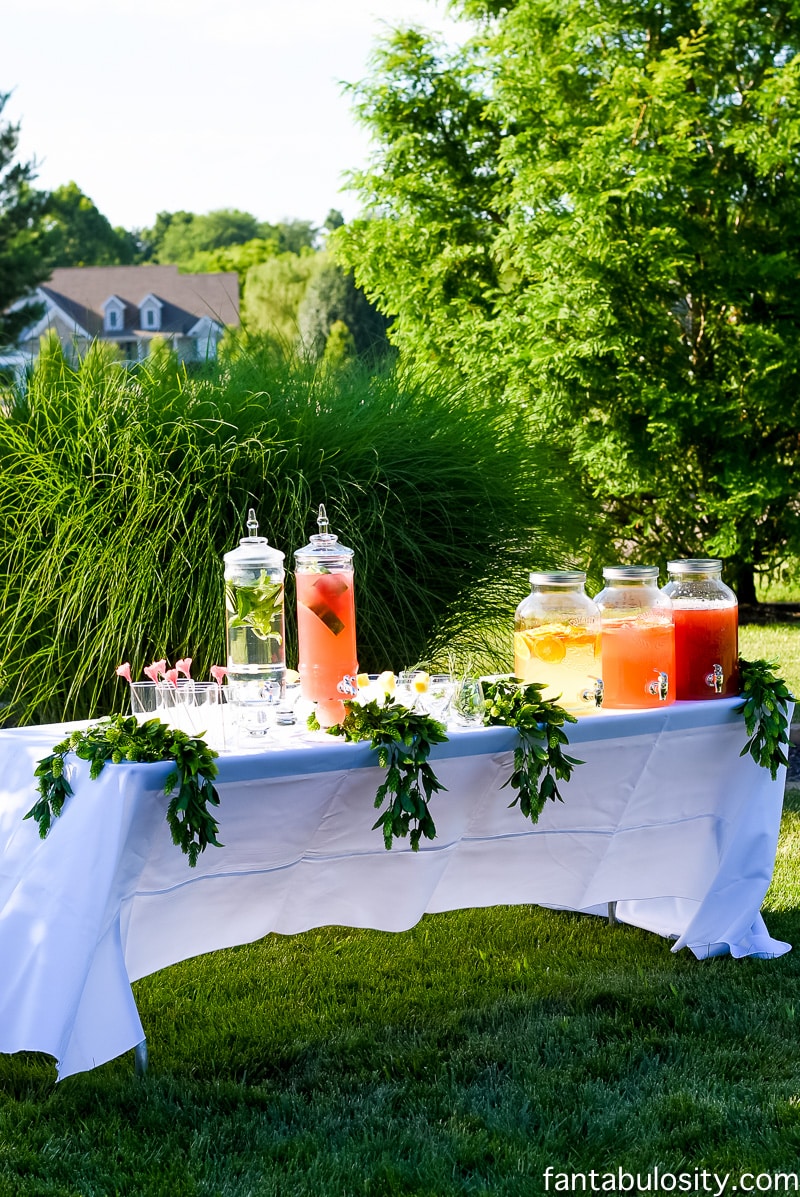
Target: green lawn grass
462,1057
779,642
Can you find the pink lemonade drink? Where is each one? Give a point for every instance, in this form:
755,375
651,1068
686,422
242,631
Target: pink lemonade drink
326,632
326,622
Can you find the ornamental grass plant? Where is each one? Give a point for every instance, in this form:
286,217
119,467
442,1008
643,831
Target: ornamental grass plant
121,488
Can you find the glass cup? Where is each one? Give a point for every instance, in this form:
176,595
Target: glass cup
437,698
411,687
254,704
468,702
203,707
286,715
144,700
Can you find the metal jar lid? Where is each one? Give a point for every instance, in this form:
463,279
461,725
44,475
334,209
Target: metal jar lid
695,565
630,573
558,577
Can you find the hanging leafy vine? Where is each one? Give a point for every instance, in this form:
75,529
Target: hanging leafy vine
403,740
539,760
121,738
766,715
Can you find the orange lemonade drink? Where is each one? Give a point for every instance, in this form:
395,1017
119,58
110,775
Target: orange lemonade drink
564,658
326,632
635,653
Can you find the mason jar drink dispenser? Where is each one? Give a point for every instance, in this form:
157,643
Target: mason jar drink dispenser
638,638
326,623
557,640
254,578
706,613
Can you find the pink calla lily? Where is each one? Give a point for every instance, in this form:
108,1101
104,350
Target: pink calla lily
153,671
184,666
218,673
171,677
124,671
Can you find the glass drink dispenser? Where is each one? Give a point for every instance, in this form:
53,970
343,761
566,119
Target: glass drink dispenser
706,613
638,638
254,577
557,640
326,623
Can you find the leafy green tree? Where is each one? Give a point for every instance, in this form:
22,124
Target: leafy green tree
272,294
425,251
334,220
181,237
77,234
21,264
635,228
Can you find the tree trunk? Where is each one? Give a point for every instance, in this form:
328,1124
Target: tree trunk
744,583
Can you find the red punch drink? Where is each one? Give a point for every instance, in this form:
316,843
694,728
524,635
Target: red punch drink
706,629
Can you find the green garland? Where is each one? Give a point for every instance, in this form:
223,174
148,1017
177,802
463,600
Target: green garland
539,762
766,699
120,738
403,739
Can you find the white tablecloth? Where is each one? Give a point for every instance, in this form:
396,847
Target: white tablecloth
664,818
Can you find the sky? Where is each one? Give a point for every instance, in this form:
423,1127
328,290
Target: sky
162,105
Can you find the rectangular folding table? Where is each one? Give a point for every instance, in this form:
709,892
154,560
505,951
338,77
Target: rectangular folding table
663,818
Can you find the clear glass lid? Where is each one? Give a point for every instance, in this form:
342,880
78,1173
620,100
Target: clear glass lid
323,549
254,549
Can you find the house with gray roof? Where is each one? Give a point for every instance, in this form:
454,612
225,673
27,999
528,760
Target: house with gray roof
129,306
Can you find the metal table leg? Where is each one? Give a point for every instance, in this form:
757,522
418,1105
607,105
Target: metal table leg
612,922
140,1058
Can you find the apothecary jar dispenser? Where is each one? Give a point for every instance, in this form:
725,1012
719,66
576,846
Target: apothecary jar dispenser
705,612
638,638
254,578
326,622
557,640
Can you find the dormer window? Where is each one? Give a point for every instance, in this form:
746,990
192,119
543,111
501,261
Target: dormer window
150,313
113,314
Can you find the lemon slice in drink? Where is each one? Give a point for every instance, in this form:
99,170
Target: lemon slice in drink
421,682
521,646
386,682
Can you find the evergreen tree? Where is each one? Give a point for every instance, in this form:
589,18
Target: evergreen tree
331,298
21,264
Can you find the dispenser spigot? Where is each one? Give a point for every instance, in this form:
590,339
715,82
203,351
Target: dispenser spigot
593,694
716,679
660,686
